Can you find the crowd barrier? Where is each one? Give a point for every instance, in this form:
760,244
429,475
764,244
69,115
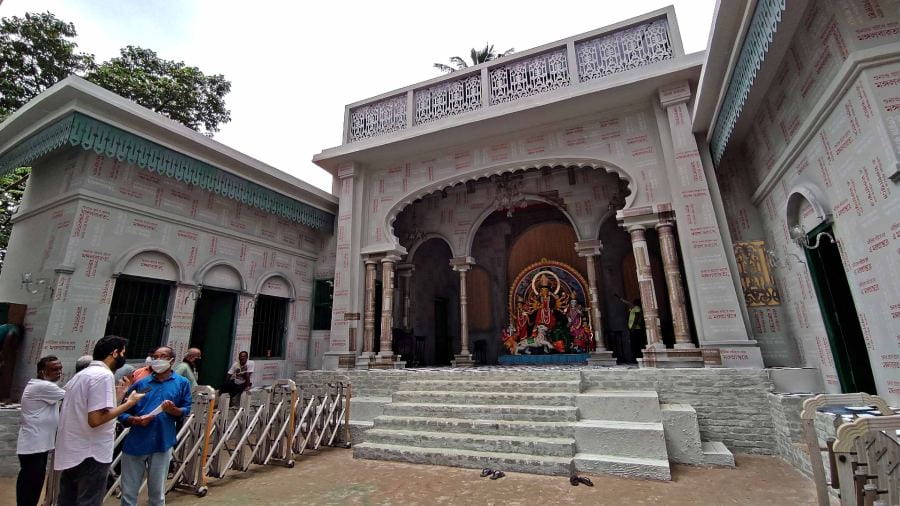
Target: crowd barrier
266,426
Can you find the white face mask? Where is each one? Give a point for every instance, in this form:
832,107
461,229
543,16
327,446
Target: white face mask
160,365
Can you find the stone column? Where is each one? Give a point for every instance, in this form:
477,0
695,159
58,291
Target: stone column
591,250
666,231
405,271
649,306
365,358
462,266
718,315
387,305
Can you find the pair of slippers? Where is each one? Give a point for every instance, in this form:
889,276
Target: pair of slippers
495,475
575,480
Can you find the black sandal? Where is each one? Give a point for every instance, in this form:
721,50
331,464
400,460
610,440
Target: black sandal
586,481
486,472
574,480
497,475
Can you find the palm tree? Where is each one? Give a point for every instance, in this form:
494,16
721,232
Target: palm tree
477,56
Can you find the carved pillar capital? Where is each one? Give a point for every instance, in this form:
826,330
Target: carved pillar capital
674,94
462,264
591,248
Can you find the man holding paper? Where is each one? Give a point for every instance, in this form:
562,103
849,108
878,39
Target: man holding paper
148,446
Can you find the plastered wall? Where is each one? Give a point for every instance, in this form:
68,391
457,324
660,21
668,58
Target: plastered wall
85,216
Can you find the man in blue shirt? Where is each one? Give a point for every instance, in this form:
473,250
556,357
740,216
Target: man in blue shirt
148,446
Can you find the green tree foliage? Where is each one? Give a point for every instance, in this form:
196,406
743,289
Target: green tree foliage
12,186
173,89
38,50
35,52
477,56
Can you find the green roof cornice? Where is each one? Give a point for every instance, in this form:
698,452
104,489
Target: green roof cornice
85,132
760,34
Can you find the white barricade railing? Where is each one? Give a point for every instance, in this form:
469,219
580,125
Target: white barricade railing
269,425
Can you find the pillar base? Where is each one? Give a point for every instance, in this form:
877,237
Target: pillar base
712,357
602,358
669,358
336,360
685,346
387,361
365,359
462,361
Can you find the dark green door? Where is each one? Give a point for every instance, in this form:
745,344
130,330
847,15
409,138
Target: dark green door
213,333
848,346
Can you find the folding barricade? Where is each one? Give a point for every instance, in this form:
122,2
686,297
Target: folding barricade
191,452
322,411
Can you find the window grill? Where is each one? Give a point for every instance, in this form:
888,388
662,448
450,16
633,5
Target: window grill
138,313
269,319
324,294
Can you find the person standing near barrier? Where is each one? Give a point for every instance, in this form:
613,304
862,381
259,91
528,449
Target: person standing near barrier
87,426
37,430
188,366
238,377
148,446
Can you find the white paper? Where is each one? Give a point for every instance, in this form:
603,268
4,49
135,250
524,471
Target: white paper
156,411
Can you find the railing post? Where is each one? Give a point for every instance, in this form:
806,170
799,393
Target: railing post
410,110
572,58
485,88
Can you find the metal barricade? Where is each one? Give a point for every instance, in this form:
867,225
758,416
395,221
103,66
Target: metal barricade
280,431
866,454
190,454
322,412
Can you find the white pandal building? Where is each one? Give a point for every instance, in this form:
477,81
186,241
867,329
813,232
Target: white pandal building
520,212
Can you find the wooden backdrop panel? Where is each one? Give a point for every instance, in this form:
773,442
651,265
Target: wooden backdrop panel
478,299
553,241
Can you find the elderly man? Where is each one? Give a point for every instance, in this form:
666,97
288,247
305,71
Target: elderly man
188,366
82,363
87,426
37,430
148,446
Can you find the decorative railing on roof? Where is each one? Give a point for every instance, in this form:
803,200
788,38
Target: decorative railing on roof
89,134
762,30
447,98
624,50
511,78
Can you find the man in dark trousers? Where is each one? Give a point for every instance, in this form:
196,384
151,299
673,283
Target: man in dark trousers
37,430
87,426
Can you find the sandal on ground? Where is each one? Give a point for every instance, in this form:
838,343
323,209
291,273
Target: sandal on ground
486,472
574,480
586,481
497,475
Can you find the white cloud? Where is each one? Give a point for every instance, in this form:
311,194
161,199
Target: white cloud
293,66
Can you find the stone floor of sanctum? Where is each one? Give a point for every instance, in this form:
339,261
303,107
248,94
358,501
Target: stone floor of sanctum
333,477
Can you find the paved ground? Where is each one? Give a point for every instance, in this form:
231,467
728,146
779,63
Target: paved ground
334,477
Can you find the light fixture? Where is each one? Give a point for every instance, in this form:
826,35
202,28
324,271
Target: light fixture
509,197
800,238
34,286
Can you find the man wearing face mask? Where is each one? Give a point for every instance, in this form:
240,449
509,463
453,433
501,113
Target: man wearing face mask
87,426
37,431
148,446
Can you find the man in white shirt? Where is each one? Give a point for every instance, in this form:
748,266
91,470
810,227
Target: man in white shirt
238,377
87,426
39,417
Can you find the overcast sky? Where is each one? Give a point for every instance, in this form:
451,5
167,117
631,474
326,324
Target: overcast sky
294,65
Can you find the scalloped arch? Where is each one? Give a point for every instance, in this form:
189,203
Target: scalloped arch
496,170
427,237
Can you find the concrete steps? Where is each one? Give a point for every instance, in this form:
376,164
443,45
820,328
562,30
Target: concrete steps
497,385
624,439
716,454
484,398
515,462
629,467
475,426
484,411
543,446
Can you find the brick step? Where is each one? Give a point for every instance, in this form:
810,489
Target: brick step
482,411
485,398
717,454
502,385
629,467
626,406
475,426
544,446
622,439
515,462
